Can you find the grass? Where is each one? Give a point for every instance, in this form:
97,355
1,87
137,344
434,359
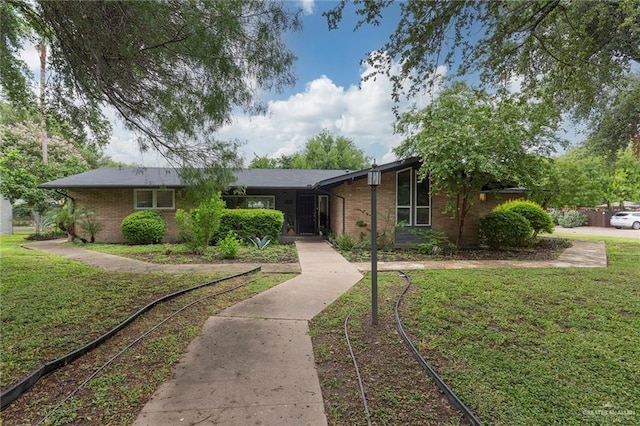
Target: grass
541,346
178,253
51,305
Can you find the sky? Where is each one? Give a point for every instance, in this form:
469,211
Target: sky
330,94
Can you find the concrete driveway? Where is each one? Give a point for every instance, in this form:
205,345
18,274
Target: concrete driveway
599,231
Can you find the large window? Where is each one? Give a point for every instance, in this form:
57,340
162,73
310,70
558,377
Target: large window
249,201
413,199
162,199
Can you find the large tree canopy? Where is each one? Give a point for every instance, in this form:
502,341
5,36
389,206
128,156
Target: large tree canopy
324,151
469,139
573,54
173,70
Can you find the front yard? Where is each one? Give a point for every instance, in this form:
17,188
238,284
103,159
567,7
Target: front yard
534,346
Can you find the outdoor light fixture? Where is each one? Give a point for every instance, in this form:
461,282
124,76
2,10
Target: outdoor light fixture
373,176
373,180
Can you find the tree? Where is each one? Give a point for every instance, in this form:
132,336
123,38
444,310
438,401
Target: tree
571,54
324,151
173,71
618,123
468,139
22,168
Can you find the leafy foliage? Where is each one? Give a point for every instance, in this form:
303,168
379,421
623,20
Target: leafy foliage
144,227
173,71
504,229
468,139
324,151
571,219
345,242
437,244
571,55
249,223
229,245
198,225
539,219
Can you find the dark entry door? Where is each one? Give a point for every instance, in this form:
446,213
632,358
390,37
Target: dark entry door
305,213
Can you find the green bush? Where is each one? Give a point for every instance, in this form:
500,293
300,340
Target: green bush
345,242
572,218
437,243
504,229
539,219
229,245
144,227
197,226
249,223
555,214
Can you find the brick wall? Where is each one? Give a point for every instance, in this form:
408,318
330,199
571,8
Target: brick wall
113,205
358,206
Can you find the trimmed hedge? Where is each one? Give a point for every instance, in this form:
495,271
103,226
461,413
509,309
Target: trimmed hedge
504,229
144,227
540,220
248,223
572,218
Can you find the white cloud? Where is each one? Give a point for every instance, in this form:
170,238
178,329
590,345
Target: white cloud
362,113
307,6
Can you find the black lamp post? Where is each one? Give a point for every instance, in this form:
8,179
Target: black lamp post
373,180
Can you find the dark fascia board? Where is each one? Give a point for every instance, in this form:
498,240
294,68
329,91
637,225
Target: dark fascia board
361,174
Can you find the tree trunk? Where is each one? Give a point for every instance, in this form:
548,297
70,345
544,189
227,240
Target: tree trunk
43,121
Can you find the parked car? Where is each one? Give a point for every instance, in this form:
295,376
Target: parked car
626,220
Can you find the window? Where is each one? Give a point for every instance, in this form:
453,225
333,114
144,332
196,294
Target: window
249,201
413,199
163,199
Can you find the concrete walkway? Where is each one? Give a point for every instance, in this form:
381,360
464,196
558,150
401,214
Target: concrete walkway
114,263
583,254
253,363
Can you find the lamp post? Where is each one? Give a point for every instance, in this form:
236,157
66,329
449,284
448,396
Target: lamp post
373,180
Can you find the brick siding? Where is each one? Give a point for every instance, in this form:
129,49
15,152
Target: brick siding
113,205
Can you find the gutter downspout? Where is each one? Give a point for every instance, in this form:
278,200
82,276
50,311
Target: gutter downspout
335,195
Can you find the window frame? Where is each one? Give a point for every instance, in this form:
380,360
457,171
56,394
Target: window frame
272,200
413,206
154,198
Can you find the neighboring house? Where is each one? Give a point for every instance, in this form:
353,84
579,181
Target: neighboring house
313,201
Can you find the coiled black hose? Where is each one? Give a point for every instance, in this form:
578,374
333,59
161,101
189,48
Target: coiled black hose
17,390
451,396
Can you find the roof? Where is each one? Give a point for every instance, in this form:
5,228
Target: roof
361,174
153,177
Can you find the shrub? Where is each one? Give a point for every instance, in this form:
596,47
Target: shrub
260,243
437,243
249,223
572,218
504,229
197,226
539,219
345,242
555,214
91,227
229,245
144,227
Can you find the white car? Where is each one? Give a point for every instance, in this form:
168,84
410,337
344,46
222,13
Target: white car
626,220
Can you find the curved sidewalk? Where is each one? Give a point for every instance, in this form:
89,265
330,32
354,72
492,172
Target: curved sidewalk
115,263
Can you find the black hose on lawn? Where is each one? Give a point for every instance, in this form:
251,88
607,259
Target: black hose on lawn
363,393
451,396
13,393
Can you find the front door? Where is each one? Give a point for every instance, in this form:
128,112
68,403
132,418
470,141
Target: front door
305,213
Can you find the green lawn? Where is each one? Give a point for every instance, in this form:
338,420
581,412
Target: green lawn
51,306
527,346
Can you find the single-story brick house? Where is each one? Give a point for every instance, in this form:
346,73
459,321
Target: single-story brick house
313,201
